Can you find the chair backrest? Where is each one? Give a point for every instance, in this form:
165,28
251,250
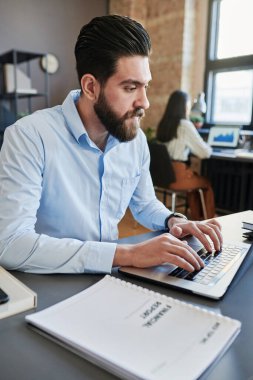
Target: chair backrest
161,169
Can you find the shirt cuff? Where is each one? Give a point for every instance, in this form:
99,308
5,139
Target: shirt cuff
159,220
100,257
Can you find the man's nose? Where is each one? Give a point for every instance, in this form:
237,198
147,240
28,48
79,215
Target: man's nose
142,100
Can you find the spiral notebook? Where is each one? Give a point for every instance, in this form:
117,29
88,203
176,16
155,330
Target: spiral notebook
136,333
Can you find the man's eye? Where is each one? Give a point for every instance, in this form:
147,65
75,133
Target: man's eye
130,88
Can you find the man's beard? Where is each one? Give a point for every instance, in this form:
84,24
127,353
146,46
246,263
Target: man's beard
123,128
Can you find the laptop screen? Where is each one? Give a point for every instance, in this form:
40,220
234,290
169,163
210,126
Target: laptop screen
225,136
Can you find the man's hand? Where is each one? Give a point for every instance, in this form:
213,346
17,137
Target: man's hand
159,250
167,248
201,230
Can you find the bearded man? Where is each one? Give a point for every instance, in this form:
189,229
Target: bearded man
68,173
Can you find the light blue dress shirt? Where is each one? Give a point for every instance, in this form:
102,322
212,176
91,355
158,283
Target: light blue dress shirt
61,197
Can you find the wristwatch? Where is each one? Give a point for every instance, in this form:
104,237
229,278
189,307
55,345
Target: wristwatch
174,215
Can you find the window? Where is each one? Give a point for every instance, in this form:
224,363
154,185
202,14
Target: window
229,66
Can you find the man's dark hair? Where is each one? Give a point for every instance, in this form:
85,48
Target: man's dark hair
174,112
106,39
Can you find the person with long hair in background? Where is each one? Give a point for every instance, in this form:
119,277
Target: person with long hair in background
181,138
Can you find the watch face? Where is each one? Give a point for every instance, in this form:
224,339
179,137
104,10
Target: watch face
49,63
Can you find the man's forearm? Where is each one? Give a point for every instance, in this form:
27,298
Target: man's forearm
36,253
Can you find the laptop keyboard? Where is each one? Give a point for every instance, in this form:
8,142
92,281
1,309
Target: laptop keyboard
225,150
216,265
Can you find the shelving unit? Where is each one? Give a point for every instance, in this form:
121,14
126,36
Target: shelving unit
10,101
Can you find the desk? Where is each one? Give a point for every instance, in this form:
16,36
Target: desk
232,180
232,156
26,355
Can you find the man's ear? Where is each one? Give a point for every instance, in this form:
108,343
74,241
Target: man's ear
90,87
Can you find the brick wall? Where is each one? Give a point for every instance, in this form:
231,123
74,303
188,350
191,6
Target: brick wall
178,32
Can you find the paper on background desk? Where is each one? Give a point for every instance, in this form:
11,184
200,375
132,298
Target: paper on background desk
244,153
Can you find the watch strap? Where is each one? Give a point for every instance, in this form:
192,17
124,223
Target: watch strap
175,215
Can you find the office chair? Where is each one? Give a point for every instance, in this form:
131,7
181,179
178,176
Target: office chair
163,175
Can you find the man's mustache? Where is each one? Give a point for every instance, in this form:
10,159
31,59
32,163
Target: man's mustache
139,112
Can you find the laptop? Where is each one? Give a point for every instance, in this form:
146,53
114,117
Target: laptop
212,281
224,138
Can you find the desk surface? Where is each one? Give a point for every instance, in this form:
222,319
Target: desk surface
25,355
243,156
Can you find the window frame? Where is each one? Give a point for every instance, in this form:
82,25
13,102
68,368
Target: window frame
215,65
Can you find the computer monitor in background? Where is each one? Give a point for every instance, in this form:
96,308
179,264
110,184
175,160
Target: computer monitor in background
224,136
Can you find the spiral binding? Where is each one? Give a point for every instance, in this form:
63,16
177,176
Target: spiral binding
163,297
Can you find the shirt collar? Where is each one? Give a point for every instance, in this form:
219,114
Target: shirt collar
75,124
71,115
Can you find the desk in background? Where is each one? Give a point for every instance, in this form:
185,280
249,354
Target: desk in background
26,355
231,177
